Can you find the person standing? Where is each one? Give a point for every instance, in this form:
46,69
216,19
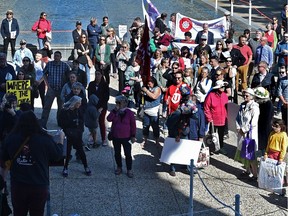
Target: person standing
247,124
9,32
21,53
215,111
39,66
205,31
55,75
93,31
105,26
282,51
282,92
160,22
100,88
243,69
42,26
123,131
29,172
264,53
7,72
78,32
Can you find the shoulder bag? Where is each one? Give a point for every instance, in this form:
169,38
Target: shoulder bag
9,163
248,148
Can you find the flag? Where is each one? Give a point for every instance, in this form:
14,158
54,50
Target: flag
143,55
150,12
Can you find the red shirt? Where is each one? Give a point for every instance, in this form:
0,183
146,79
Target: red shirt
245,51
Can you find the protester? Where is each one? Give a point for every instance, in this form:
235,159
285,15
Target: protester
282,51
161,23
47,52
55,75
22,52
215,111
71,120
9,32
136,31
282,93
271,36
29,172
101,89
105,26
81,75
202,48
205,31
42,26
264,53
93,31
39,66
152,96
123,130
203,85
7,72
78,32
247,125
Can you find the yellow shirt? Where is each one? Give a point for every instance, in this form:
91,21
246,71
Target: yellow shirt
277,142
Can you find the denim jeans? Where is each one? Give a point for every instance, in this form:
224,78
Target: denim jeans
87,70
41,42
152,121
117,142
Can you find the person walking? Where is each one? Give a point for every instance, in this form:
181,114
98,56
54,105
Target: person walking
9,31
123,130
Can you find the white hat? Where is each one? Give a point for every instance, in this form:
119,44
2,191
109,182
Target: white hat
261,92
219,84
227,13
249,91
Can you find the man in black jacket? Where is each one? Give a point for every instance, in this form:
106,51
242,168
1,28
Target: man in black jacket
9,32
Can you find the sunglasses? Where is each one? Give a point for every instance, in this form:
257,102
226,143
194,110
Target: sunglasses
20,74
117,102
22,44
175,67
9,14
281,72
83,37
275,125
25,60
178,78
228,61
102,39
124,47
218,74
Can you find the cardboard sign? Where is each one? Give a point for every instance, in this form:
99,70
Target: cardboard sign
122,30
19,88
180,152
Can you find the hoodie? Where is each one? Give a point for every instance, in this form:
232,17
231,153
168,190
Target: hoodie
92,114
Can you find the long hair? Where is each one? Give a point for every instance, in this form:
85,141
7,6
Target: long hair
27,124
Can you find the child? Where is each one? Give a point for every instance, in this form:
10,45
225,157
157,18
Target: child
277,142
91,118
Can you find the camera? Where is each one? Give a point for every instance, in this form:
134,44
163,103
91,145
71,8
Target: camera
7,105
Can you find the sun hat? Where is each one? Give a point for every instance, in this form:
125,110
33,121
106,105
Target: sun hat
219,84
261,92
249,91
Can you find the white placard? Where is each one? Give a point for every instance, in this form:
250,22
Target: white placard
13,34
180,152
122,30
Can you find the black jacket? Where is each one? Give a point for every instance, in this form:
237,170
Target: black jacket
102,93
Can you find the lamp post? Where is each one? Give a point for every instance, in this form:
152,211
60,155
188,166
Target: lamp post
232,7
250,12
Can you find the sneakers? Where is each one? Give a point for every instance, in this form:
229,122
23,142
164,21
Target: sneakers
87,148
118,171
104,143
87,171
172,173
65,172
130,174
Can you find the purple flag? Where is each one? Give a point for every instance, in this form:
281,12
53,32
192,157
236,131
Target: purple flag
150,12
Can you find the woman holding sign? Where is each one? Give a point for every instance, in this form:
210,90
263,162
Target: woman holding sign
30,74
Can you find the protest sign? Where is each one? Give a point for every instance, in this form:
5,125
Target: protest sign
180,152
19,88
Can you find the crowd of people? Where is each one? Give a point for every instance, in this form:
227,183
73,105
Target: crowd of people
186,96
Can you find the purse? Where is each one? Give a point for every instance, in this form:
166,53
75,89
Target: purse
212,140
204,157
248,148
49,36
90,62
9,163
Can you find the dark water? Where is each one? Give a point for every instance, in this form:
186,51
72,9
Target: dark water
64,14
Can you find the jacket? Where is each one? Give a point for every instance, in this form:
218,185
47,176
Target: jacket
93,34
106,54
5,28
102,93
268,82
210,38
42,24
215,108
92,114
123,123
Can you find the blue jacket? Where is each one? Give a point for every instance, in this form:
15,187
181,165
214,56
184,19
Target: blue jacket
210,38
197,124
278,52
5,28
93,34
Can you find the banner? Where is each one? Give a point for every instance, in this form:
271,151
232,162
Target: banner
19,88
191,47
184,24
143,55
150,12
180,152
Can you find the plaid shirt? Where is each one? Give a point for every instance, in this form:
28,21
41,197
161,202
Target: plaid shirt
57,74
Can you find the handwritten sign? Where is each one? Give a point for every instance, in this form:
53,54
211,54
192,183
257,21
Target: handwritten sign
19,88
